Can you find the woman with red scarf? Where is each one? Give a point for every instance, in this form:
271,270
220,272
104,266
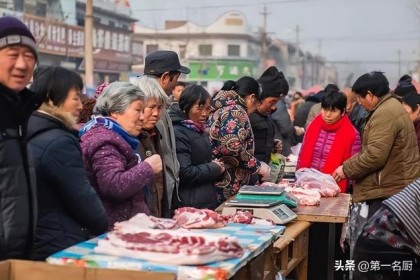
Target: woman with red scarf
330,138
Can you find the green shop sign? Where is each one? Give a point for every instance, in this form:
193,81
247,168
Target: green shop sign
220,70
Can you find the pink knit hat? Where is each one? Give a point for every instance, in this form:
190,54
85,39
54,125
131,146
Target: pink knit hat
100,89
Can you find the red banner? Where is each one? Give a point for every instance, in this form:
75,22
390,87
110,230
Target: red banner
58,38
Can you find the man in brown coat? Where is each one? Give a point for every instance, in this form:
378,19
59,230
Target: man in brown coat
389,158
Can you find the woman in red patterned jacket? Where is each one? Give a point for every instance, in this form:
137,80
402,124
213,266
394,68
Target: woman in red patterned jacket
231,136
330,138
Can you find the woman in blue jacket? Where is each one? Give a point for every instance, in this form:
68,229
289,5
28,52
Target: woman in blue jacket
69,210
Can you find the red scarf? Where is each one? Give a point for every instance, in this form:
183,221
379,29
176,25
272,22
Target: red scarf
345,135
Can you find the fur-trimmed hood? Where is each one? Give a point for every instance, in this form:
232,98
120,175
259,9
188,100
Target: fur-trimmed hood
65,117
50,117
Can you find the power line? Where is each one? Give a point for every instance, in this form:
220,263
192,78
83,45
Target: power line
368,61
356,40
274,2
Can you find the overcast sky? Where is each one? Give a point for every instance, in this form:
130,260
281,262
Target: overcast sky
341,30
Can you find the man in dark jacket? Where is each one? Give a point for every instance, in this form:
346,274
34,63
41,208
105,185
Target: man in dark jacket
274,86
357,113
18,56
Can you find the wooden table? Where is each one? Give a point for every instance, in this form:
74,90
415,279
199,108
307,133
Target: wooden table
292,250
332,210
260,267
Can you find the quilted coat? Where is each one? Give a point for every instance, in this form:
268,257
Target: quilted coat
389,159
116,172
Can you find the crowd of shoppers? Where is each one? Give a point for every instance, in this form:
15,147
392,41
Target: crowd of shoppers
158,144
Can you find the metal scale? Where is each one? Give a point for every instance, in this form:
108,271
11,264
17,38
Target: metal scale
262,202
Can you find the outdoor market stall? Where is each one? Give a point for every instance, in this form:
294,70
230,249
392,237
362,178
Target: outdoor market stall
291,250
253,238
332,211
292,246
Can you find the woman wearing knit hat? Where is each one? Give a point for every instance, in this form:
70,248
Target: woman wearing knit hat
274,87
405,86
411,103
18,57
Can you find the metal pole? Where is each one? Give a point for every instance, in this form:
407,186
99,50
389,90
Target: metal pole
264,47
88,44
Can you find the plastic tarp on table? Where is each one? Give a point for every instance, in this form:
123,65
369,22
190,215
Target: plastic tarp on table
253,238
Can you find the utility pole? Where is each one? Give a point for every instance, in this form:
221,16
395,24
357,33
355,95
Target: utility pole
89,44
298,55
319,47
264,47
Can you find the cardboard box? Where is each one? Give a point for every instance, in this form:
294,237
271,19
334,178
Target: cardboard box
29,270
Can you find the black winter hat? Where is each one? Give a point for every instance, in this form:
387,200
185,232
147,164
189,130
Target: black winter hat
331,87
405,86
273,83
15,32
163,61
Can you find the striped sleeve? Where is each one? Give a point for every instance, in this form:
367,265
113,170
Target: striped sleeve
406,206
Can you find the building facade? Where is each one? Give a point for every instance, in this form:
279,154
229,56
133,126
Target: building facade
224,50
58,27
227,50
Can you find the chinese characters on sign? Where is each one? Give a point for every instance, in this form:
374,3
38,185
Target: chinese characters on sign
220,70
365,266
62,39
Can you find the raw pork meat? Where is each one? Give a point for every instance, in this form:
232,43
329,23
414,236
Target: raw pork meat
189,217
307,197
246,217
324,190
240,217
141,221
178,247
310,178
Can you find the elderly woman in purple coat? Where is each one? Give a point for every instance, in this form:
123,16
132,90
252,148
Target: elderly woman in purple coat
110,152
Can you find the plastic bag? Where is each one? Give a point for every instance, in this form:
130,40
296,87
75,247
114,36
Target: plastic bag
277,163
296,149
311,178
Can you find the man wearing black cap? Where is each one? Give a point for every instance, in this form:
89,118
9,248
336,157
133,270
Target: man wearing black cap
274,87
18,56
165,66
